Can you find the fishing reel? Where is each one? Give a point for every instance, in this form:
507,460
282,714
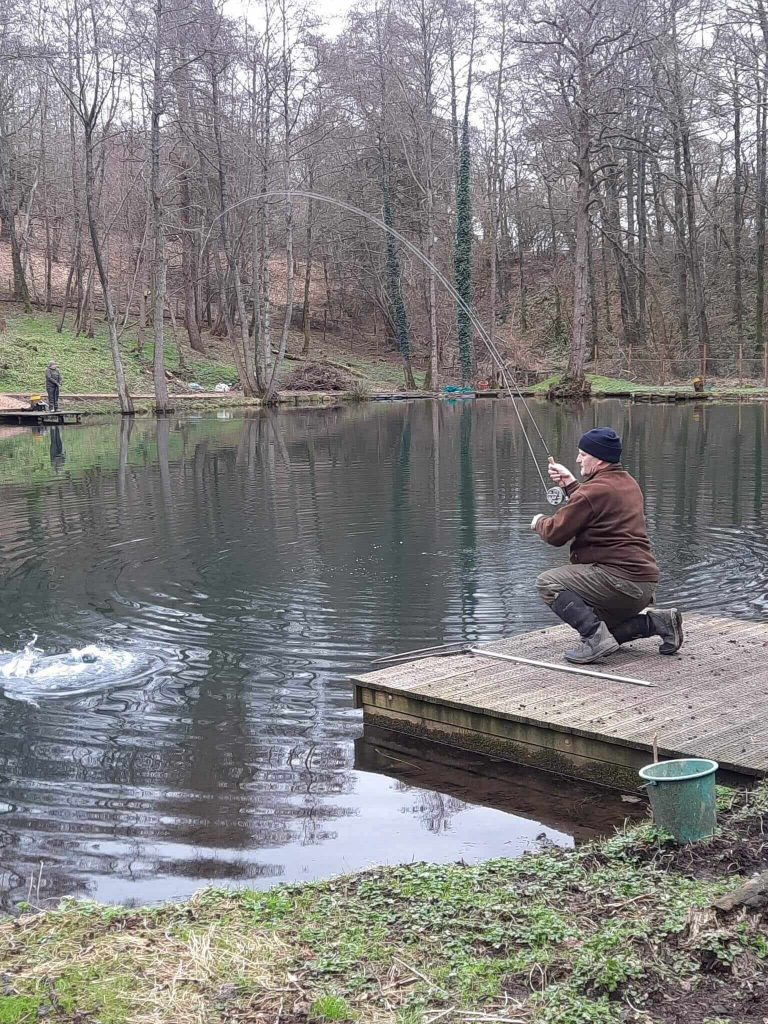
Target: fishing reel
555,495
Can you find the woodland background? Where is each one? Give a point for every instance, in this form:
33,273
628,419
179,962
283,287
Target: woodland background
589,174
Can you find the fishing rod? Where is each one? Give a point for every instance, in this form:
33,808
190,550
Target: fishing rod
554,495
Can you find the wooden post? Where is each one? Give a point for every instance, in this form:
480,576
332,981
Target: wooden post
765,365
703,368
741,363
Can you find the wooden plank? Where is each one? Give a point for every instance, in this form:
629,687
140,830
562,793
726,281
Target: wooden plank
710,700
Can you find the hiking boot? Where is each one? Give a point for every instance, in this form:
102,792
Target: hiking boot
592,648
668,625
638,627
596,639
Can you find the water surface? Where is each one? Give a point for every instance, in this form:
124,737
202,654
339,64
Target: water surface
243,567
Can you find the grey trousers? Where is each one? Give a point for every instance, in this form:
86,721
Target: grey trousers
613,598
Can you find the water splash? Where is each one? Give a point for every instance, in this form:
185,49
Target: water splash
31,674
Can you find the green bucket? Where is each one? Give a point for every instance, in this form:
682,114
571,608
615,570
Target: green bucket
682,795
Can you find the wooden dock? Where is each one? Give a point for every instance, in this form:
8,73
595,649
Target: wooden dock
709,700
26,417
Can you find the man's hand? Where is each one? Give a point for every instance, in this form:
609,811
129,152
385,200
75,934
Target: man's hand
560,474
536,518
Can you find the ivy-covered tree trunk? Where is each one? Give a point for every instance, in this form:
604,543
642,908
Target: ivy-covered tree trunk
462,258
395,291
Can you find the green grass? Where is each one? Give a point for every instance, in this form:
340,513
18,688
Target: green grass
607,386
329,1007
570,937
613,385
32,341
378,375
18,1009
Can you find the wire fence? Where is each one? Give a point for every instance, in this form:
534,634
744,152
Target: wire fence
741,365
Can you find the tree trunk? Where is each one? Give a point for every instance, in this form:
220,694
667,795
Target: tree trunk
238,331
593,315
123,394
695,263
760,209
397,308
433,382
143,293
162,406
520,247
642,244
189,264
681,248
558,322
20,289
305,315
580,329
604,267
290,271
738,214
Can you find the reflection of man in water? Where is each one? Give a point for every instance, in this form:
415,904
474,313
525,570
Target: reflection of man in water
57,449
52,385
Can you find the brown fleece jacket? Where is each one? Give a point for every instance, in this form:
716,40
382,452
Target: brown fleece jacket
605,523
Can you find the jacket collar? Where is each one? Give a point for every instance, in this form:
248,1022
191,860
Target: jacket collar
612,468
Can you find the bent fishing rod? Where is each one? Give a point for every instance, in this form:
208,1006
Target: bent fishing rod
554,495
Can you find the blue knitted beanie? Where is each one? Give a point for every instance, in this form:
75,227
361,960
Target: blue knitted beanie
603,443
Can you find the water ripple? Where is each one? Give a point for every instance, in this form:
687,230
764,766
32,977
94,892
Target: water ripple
228,575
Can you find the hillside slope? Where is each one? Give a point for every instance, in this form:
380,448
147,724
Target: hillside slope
31,341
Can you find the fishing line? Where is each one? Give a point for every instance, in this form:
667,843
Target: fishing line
555,495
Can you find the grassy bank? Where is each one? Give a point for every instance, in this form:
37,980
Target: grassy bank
605,387
31,341
622,930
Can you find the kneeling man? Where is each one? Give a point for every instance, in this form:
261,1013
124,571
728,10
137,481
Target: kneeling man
613,574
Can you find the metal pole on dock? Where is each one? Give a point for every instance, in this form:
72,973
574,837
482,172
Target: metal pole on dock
446,650
559,668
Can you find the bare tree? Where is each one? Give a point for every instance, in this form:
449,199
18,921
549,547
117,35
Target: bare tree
93,92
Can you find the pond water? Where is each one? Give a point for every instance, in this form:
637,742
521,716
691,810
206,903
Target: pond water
182,603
